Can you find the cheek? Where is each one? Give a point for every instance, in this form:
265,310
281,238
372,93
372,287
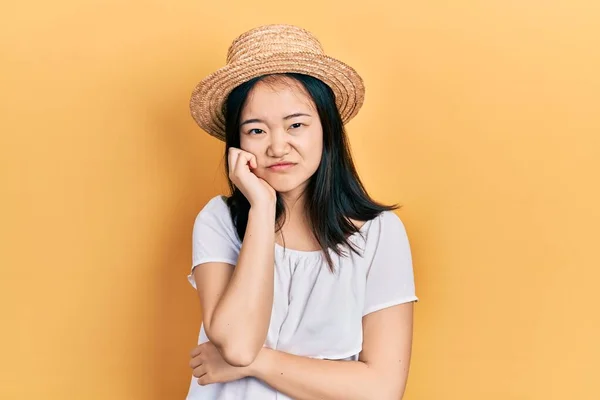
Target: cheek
315,160
244,145
251,145
315,154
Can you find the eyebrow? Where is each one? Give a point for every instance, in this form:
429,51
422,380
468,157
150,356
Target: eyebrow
253,120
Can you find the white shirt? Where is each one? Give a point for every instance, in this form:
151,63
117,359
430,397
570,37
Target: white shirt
316,313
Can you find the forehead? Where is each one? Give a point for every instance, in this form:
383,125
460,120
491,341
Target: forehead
277,97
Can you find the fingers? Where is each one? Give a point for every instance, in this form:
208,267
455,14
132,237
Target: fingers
204,380
238,160
195,362
196,351
196,355
232,158
199,371
253,162
241,165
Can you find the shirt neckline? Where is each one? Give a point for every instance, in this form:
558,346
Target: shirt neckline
311,253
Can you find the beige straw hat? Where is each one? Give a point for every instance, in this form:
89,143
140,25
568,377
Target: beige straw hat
273,49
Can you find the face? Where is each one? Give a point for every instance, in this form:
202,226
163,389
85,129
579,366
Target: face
280,125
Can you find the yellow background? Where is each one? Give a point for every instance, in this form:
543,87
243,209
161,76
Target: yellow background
481,118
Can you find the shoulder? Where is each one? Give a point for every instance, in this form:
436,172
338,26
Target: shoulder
388,218
388,228
385,222
215,214
215,208
214,237
216,205
391,221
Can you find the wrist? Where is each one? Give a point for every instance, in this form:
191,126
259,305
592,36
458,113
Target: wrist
264,208
258,367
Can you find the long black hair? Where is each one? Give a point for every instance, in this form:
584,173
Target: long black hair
334,194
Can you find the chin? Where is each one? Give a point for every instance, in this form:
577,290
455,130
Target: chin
283,184
284,187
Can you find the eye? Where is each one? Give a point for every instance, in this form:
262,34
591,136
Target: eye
255,131
296,125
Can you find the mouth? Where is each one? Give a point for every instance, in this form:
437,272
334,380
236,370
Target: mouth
281,166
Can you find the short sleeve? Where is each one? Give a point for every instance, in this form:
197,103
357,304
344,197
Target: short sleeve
214,238
390,278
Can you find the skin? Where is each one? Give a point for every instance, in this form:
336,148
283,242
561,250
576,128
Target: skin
280,123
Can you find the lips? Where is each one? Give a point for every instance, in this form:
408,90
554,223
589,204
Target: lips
281,166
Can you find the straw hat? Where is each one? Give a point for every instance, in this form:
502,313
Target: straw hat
272,49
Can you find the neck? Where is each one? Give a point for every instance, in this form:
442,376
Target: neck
294,201
296,223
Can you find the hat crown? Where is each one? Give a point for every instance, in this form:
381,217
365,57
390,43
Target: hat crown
271,39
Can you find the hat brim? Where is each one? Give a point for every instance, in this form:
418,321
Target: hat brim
208,97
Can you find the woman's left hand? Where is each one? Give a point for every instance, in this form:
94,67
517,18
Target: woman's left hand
209,366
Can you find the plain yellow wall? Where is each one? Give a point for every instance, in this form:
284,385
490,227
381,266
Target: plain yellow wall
481,118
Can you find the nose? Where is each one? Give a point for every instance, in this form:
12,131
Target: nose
279,145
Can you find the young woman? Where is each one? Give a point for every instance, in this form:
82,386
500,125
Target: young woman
305,283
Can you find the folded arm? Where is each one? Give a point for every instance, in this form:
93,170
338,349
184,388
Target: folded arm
237,302
380,374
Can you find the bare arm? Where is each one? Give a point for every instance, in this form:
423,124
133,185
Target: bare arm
237,302
380,374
